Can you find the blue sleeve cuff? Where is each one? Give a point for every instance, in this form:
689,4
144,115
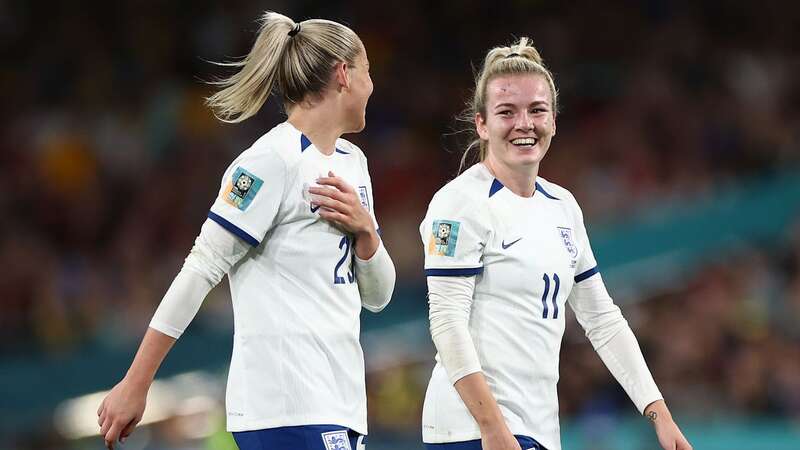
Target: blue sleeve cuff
453,272
586,274
233,229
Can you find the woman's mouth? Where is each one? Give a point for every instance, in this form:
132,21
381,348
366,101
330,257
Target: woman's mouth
527,142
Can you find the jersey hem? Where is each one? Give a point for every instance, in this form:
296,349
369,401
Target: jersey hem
360,428
451,438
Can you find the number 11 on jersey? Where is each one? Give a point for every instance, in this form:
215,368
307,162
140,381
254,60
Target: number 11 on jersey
557,283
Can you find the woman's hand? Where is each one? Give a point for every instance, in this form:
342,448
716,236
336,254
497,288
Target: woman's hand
342,207
667,431
120,411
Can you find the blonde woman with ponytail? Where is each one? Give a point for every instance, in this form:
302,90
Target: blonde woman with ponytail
505,252
294,229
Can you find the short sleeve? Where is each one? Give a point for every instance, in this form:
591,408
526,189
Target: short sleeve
453,236
250,196
587,265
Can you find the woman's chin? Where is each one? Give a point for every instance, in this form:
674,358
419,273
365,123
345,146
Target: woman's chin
530,157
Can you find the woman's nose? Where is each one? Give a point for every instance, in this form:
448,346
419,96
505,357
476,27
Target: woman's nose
525,121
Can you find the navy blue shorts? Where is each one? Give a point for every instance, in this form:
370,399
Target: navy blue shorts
527,443
303,437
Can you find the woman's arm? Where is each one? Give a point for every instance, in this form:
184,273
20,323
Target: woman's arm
450,301
124,406
475,393
615,343
214,253
376,277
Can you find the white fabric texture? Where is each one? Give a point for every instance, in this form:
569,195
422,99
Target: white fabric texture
450,301
215,251
612,338
376,277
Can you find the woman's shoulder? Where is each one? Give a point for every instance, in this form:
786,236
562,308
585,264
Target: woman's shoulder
347,147
557,192
472,187
552,190
280,144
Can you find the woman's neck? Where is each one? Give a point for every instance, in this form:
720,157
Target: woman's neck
521,181
319,123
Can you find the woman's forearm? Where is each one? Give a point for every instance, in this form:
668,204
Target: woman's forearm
475,394
154,347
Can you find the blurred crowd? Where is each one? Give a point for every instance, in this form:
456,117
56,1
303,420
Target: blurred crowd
109,161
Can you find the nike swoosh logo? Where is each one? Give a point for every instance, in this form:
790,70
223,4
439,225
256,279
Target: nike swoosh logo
505,246
313,210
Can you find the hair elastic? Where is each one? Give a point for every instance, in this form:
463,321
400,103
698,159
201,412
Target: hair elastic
511,55
295,30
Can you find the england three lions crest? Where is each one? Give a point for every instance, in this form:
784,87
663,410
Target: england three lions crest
568,241
336,440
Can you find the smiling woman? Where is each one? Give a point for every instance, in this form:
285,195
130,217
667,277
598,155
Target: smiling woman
505,251
503,62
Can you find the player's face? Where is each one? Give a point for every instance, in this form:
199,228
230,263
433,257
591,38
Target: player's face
360,89
519,122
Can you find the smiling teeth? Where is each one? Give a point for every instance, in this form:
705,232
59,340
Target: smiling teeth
524,141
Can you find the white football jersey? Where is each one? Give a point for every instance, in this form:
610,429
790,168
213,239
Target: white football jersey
526,253
296,357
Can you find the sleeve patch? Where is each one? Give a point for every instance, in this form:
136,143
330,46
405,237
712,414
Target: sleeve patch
444,236
241,189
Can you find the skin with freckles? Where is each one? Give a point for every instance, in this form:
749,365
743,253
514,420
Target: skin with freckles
518,106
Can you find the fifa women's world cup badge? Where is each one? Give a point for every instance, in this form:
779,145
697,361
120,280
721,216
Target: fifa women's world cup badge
444,235
241,189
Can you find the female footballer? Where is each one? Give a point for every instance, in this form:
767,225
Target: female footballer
505,251
294,229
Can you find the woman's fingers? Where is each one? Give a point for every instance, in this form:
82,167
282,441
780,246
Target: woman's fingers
330,203
333,216
112,435
331,193
336,182
128,429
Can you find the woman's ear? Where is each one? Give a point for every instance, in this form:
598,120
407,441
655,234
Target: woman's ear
480,127
342,76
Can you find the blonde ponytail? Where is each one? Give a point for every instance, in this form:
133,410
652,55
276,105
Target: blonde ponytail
294,66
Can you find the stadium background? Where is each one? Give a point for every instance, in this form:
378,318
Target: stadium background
679,134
